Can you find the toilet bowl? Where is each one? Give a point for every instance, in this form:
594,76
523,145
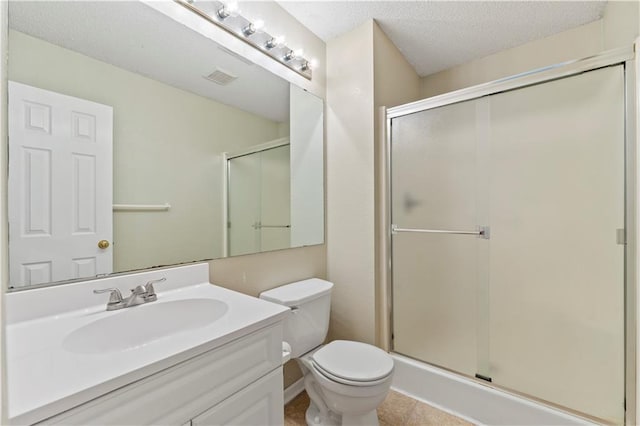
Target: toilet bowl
345,380
351,380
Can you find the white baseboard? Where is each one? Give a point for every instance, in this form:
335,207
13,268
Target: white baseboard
293,390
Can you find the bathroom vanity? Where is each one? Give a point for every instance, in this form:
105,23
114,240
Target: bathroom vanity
200,354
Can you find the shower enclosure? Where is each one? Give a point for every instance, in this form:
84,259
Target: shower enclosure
508,234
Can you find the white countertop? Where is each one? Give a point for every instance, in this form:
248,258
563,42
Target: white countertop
44,379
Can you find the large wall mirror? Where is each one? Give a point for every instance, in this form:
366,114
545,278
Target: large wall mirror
136,142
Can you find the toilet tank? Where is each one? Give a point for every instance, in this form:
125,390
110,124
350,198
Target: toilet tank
308,322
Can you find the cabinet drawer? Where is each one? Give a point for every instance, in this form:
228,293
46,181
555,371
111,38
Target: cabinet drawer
260,403
175,395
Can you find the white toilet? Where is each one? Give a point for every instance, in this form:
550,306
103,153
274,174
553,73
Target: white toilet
346,381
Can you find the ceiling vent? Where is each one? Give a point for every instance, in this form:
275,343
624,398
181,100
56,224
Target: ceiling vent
221,77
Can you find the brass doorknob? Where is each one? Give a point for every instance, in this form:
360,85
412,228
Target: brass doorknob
103,244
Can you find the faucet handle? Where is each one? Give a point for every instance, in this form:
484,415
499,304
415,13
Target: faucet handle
151,292
139,290
114,298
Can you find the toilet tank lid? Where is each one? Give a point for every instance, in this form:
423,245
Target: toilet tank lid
298,292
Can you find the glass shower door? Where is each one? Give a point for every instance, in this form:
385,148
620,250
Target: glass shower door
536,303
557,270
436,275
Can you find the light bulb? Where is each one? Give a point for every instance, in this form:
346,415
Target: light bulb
298,53
232,8
313,63
274,42
228,9
253,27
258,24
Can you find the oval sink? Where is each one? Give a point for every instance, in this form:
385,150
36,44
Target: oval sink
139,325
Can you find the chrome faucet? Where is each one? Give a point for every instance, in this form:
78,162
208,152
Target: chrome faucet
139,295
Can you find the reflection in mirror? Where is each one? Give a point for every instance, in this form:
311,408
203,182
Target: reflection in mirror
137,142
258,194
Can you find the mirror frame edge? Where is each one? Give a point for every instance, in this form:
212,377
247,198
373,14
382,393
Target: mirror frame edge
4,222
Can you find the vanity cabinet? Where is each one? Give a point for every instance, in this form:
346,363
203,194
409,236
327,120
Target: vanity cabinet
257,404
239,383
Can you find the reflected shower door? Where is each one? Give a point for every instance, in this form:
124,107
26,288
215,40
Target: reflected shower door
275,210
434,178
243,204
557,270
258,200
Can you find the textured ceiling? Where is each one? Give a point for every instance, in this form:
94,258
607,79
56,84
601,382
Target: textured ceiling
436,35
133,36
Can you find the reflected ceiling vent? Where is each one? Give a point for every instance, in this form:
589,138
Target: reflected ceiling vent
221,77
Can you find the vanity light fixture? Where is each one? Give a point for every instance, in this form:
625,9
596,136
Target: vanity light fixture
253,27
274,42
226,15
289,55
227,9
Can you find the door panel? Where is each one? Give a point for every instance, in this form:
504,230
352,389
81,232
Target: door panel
434,179
60,186
557,272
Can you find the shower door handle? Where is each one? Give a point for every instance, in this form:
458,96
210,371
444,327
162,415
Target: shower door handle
482,231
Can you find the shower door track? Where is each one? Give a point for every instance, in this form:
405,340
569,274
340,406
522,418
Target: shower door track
622,56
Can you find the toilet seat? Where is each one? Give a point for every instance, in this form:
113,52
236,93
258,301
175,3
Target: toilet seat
353,363
344,381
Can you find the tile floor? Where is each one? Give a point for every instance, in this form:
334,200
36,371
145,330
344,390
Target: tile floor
396,410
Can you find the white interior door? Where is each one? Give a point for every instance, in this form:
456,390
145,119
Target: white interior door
60,186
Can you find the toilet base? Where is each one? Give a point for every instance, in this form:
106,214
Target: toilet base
314,418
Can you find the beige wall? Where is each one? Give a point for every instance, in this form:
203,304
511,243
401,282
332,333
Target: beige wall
350,184
618,27
395,80
620,23
167,147
364,71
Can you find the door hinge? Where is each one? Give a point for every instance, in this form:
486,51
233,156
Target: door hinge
621,236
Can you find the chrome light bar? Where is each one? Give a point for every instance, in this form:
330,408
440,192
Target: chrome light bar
222,15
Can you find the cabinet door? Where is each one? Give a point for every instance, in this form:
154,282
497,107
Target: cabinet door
260,403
